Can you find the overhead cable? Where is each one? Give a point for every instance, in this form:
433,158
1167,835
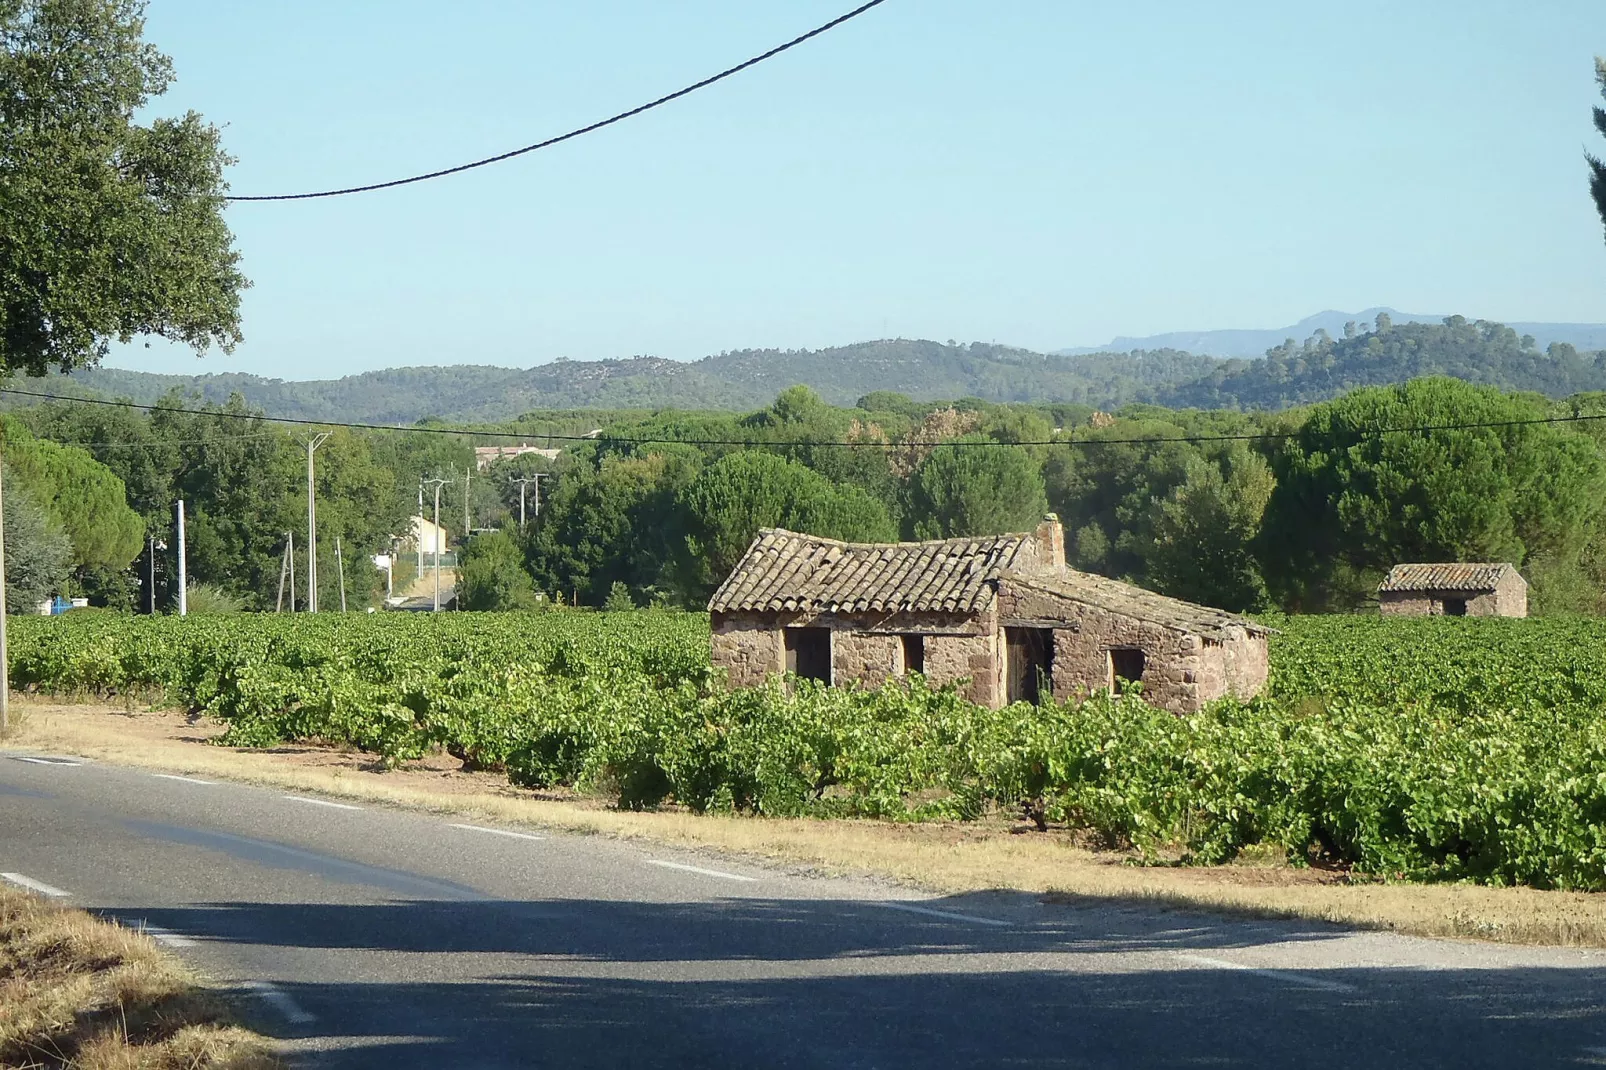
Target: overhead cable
572,134
663,440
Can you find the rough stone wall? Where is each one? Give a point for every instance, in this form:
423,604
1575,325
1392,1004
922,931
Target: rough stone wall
870,659
748,646
1246,661
1181,672
1511,597
951,658
868,648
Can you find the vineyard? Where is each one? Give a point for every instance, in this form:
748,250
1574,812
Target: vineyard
1429,749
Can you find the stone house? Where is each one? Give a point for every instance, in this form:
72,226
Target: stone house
1453,589
1002,614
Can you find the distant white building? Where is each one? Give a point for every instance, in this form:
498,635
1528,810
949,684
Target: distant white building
427,537
485,456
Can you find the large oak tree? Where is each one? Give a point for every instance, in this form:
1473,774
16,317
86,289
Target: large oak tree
109,228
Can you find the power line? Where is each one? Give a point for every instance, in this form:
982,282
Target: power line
549,142
663,440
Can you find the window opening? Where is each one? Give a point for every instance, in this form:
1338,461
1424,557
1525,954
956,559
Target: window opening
1455,607
808,653
1126,666
914,653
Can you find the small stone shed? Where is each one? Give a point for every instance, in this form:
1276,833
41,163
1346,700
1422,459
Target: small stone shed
1002,613
1453,589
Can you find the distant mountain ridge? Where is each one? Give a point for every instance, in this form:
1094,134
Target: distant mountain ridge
1519,357
1249,344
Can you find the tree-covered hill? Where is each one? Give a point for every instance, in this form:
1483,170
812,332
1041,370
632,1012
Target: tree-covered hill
1293,373
1324,367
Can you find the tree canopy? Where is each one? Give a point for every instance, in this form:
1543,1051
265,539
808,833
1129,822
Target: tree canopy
1350,502
1597,169
111,229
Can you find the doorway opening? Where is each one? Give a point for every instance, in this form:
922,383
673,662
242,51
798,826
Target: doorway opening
1126,666
1028,664
808,653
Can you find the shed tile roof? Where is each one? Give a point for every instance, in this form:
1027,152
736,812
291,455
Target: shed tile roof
1447,576
1128,600
785,571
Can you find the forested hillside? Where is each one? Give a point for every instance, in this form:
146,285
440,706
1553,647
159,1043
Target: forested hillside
1290,374
1324,367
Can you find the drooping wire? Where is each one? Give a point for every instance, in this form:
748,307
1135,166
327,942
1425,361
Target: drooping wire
572,134
647,440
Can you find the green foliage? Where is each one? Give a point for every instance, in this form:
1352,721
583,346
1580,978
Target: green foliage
206,598
1204,529
81,497
38,555
492,575
112,229
973,487
724,508
1419,748
619,600
1597,169
1349,504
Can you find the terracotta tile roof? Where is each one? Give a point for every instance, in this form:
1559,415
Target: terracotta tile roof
786,571
1447,576
1127,600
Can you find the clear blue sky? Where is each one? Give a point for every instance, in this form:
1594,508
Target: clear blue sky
1045,173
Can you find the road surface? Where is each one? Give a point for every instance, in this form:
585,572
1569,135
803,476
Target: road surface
368,937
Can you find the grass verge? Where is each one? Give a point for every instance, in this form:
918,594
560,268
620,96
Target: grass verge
947,858
76,991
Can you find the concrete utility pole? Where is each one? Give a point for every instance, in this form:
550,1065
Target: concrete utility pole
466,527
183,573
436,536
312,525
340,566
5,666
150,592
290,542
521,481
420,525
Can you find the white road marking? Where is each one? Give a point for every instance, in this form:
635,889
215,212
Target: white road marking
166,937
185,779
1286,976
699,869
45,761
497,832
34,886
948,914
319,802
281,1001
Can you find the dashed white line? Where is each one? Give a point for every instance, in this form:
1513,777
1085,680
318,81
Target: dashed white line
319,802
281,1001
34,886
950,915
497,832
185,779
1286,976
698,869
45,761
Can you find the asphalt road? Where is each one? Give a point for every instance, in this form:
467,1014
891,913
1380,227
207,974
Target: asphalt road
368,937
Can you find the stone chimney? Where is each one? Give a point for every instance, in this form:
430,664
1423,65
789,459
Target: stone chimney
1050,538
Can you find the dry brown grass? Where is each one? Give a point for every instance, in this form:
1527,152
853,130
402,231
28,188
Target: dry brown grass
944,858
76,991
